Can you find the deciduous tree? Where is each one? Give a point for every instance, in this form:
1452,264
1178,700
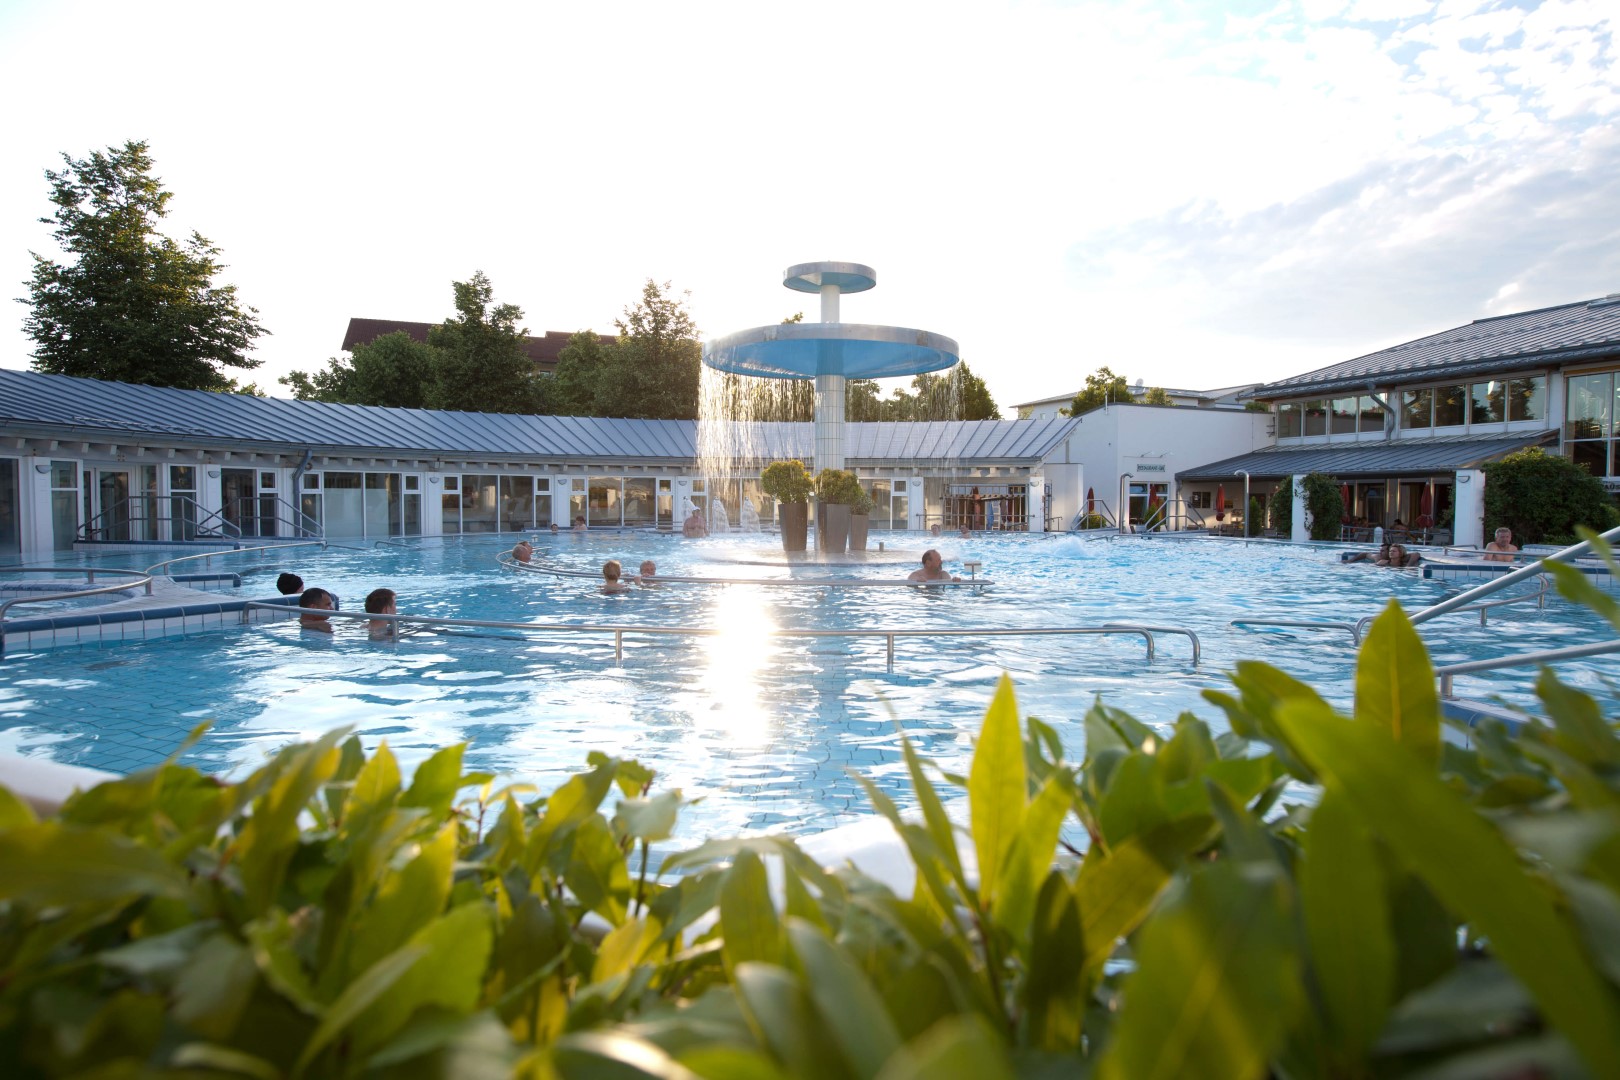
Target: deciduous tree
1156,395
1542,497
652,371
1103,387
131,304
394,370
482,365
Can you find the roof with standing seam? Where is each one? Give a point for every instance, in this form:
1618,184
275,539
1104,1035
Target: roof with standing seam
58,406
1415,457
1528,339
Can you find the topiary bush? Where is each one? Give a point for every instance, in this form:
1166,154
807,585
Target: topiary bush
1544,497
1172,905
787,481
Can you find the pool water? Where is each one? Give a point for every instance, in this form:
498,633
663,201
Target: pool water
765,731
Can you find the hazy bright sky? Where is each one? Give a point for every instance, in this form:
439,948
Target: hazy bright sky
1197,194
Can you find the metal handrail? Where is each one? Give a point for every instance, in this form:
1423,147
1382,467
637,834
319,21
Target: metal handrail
618,631
90,573
1359,627
303,525
199,526
1308,624
1572,652
505,560
155,567
1465,598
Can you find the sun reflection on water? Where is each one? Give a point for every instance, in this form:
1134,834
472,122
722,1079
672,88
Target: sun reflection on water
734,660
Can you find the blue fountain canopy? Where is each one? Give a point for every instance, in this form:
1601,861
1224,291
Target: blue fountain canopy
847,276
854,350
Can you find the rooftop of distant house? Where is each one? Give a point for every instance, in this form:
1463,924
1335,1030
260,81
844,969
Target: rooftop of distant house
1225,395
542,350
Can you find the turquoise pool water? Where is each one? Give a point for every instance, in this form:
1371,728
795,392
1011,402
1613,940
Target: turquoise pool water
763,730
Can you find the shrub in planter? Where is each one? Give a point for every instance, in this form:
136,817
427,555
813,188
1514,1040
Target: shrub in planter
791,485
1161,906
836,492
860,517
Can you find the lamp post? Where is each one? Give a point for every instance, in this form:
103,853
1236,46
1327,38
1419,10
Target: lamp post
1245,474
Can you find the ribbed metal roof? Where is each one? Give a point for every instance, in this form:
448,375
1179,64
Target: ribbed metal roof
58,406
1400,458
1528,339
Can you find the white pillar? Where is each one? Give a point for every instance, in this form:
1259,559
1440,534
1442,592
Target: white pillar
1302,526
34,493
829,422
1468,509
829,303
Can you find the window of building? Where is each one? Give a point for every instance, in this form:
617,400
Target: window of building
64,504
1200,500
1315,418
10,507
1450,406
1527,398
1344,418
1372,415
1289,420
1417,408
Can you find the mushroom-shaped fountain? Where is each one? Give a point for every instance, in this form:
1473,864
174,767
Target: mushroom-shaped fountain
830,351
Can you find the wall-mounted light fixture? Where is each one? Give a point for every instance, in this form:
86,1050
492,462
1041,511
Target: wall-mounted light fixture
213,474
433,479
41,468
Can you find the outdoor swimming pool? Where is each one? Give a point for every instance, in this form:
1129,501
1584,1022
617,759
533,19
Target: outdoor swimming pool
763,730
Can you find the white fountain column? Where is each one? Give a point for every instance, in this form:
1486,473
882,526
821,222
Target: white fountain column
829,397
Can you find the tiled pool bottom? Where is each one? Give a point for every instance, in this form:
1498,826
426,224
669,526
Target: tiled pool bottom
764,731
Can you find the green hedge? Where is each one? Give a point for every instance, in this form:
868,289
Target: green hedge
1173,905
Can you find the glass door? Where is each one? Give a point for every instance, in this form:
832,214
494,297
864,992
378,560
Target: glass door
109,508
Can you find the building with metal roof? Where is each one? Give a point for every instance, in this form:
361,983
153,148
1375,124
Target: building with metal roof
1407,429
89,461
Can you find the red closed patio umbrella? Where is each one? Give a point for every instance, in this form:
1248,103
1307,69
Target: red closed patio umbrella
1091,500
1220,502
1426,507
1344,497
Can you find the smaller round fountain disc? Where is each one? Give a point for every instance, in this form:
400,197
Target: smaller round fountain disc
810,277
853,350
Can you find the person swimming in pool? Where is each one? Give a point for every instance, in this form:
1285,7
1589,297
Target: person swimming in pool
611,585
932,569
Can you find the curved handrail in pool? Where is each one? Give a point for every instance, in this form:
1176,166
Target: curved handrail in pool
90,573
619,630
506,561
155,567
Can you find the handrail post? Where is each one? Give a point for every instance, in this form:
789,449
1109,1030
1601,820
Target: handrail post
1445,687
618,646
891,653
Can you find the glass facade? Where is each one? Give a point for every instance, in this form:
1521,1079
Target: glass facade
10,507
1424,408
1589,421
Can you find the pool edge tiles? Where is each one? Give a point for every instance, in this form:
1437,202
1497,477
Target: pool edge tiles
170,610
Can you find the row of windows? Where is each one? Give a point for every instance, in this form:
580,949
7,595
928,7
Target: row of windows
1490,402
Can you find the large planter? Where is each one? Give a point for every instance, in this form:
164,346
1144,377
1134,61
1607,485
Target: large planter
858,524
833,536
794,519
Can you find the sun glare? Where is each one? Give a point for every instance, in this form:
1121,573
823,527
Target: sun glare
735,657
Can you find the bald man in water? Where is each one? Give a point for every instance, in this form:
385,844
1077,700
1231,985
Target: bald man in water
932,569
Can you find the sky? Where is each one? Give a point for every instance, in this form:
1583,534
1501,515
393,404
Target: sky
1193,194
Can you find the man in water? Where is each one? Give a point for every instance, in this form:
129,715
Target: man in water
315,600
935,529
523,551
381,602
1502,545
932,569
695,526
289,584
649,571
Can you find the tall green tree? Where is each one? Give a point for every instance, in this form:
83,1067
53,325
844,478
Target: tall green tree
1103,387
652,371
131,304
1157,395
394,370
574,382
482,365
973,400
